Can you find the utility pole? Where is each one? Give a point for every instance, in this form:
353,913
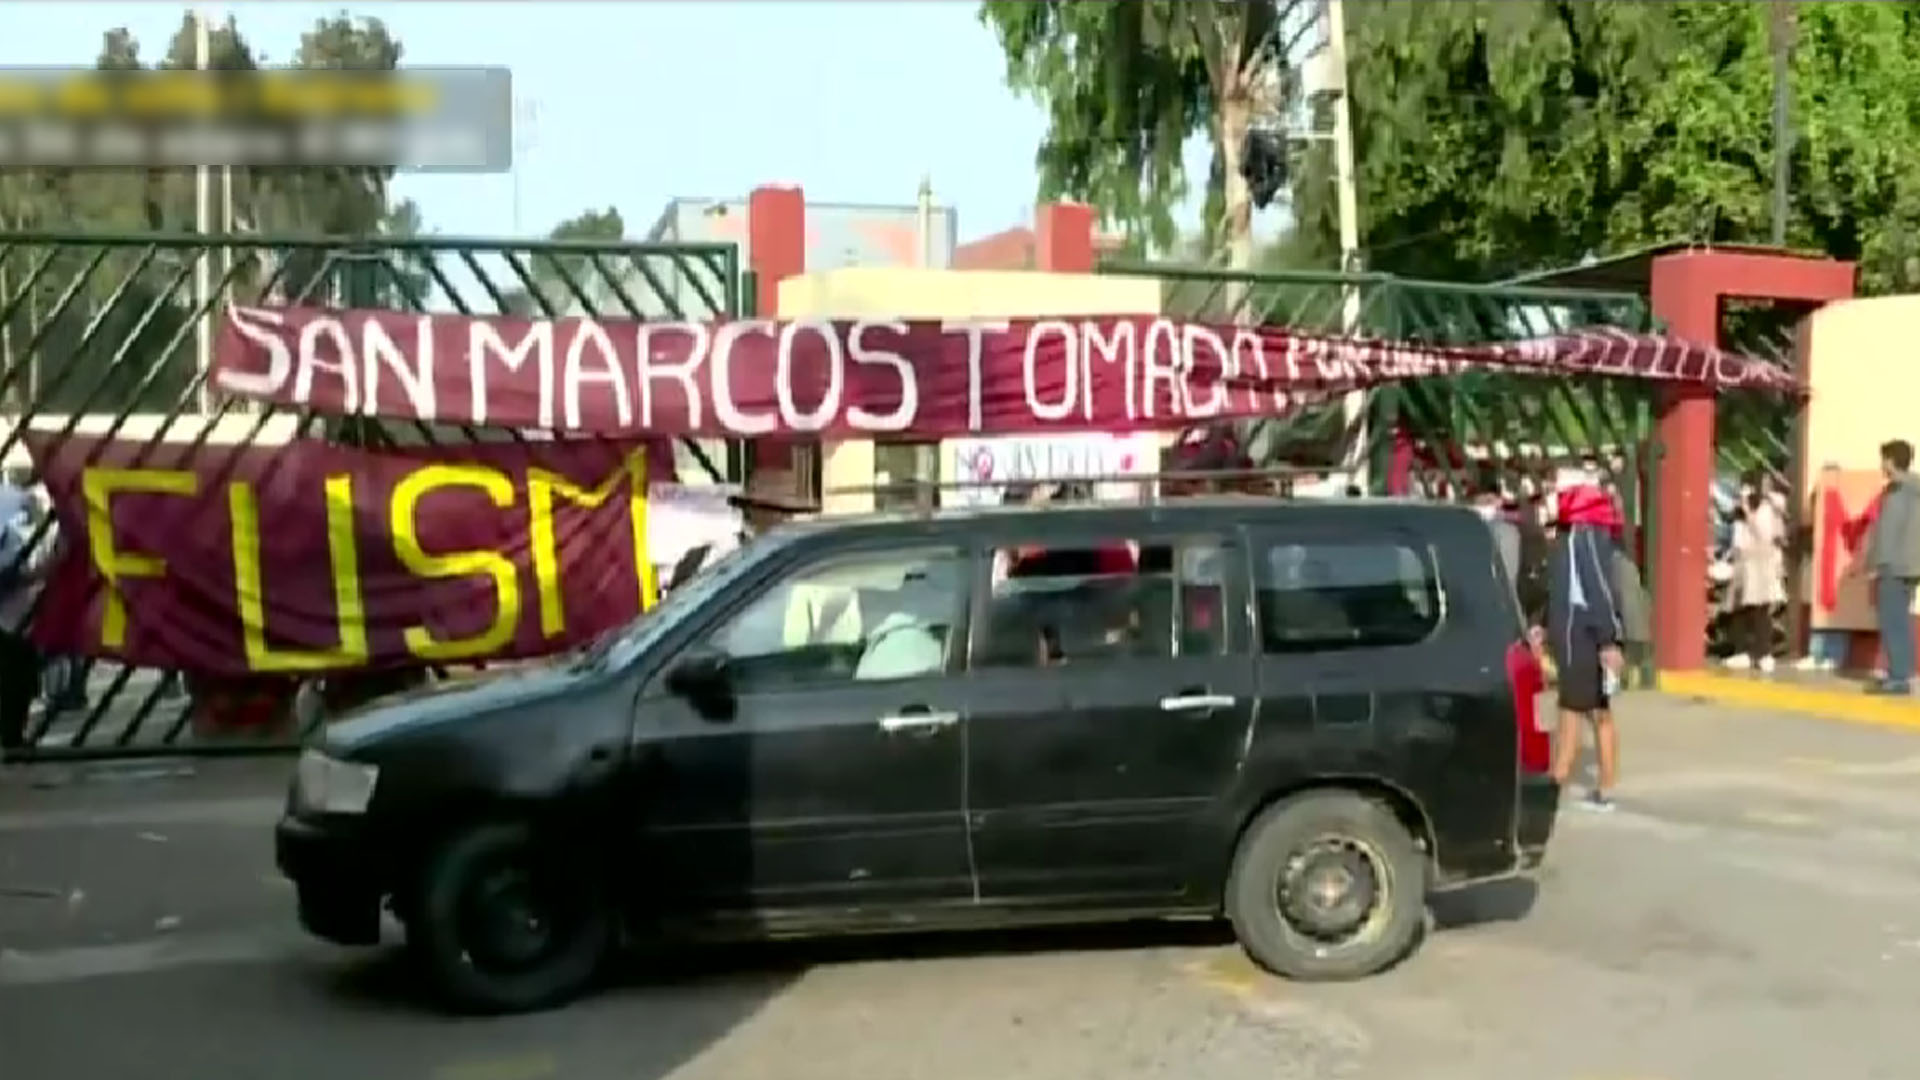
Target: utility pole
1783,34
1353,407
526,123
203,225
926,222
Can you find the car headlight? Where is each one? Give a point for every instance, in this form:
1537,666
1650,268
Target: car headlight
325,785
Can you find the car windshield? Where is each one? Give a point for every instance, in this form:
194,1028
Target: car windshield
621,644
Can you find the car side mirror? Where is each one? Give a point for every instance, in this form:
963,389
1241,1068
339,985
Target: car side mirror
701,677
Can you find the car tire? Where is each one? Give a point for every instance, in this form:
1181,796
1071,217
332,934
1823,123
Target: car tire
460,884
1302,839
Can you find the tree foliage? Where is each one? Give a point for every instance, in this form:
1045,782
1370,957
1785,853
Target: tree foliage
1125,85
1496,137
560,283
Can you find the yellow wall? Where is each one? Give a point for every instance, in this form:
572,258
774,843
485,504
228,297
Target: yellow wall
1865,383
874,292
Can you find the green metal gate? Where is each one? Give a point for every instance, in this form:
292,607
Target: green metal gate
103,333
1459,431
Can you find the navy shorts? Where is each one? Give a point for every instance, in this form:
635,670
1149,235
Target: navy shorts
1576,654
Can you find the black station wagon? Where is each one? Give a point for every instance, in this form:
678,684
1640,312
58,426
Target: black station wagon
1301,717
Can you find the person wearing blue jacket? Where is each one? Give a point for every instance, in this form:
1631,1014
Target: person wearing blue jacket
1584,632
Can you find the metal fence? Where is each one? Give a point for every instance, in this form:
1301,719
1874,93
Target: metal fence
103,335
1457,430
1760,438
1444,436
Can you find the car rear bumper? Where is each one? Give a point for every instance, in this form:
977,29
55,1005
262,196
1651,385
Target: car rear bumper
330,870
1539,805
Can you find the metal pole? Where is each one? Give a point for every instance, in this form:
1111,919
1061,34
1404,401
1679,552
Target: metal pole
926,222
203,225
1782,28
1353,407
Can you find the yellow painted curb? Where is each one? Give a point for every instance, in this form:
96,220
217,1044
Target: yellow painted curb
1852,706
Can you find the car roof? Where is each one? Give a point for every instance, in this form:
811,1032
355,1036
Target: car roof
1210,509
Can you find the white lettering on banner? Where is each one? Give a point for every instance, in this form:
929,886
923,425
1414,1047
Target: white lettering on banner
252,324
416,381
901,418
1159,361
483,340
338,361
724,409
865,375
682,373
1116,350
1194,337
573,376
823,414
975,332
1069,368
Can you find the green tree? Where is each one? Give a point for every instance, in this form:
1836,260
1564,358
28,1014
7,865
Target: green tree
1125,85
559,284
1496,137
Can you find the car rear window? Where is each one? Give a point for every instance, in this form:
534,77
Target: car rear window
1320,596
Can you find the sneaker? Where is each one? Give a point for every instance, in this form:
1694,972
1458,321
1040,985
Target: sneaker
1739,662
1767,665
1810,663
1889,688
1598,801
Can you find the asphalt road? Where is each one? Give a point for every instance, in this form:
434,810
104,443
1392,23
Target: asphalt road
1748,913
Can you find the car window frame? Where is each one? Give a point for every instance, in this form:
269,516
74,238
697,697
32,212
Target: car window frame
1264,536
746,592
1235,602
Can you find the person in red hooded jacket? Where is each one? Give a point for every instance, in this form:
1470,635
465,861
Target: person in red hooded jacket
1585,630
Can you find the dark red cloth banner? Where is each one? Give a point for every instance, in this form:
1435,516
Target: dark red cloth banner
871,377
310,557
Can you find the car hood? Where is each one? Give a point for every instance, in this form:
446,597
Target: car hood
474,696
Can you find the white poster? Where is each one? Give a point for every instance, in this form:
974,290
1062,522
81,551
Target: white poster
992,463
681,517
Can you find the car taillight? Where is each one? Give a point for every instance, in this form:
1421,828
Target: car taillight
1526,680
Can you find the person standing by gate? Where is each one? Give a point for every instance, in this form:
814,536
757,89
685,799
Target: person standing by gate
20,574
1759,581
1585,632
1893,559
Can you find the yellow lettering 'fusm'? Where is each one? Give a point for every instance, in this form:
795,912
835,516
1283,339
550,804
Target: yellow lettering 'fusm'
243,510
543,488
406,544
99,486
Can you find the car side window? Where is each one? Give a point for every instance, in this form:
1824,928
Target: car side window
1104,602
1321,596
862,618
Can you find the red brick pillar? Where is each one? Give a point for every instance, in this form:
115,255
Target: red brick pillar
1686,290
776,250
1063,238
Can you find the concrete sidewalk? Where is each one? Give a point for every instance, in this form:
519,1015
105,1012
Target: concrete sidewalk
1823,697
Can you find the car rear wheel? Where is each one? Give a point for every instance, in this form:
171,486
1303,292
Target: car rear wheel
505,926
1327,885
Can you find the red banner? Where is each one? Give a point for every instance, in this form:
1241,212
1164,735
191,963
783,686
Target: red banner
311,557
871,377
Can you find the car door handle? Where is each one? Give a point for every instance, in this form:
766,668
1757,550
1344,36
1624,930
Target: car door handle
1195,702
918,721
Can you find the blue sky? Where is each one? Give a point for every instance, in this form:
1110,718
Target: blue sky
642,101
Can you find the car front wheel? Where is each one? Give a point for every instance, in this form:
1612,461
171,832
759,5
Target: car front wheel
1327,885
505,926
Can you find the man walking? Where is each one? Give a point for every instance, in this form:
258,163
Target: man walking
1892,557
1584,633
